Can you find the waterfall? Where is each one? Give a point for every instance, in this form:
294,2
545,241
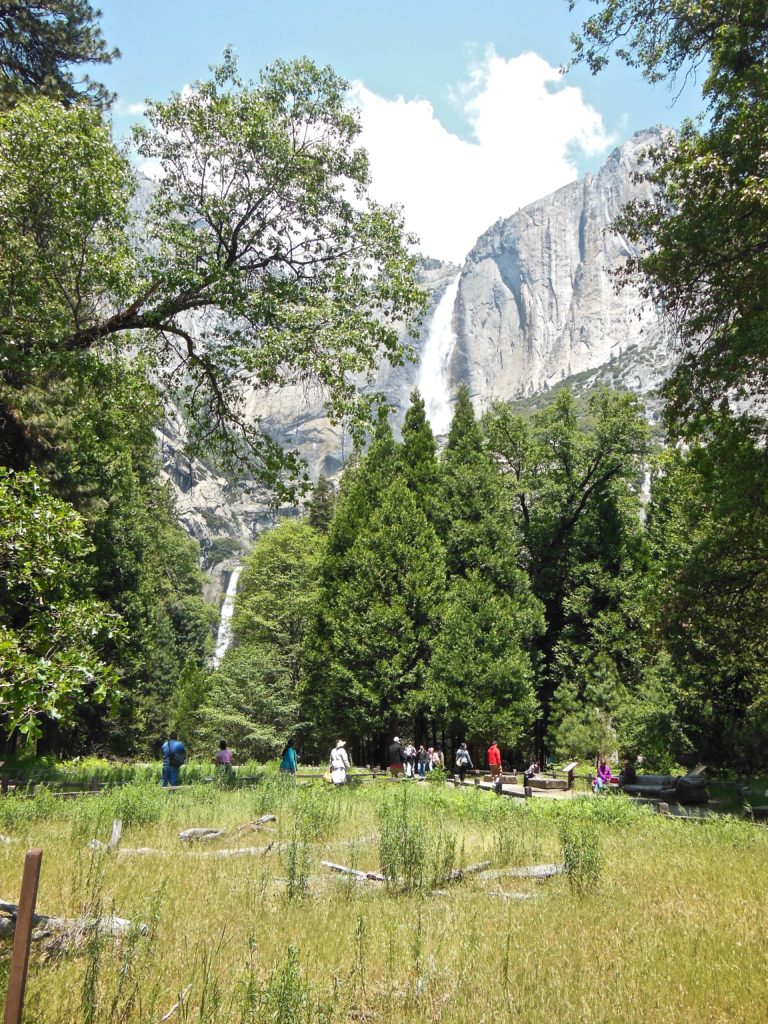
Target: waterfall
224,635
433,371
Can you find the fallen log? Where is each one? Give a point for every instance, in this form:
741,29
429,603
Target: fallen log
471,869
244,851
141,851
107,924
206,834
512,895
190,835
536,871
368,876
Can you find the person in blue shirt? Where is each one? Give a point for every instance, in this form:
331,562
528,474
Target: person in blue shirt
174,756
288,763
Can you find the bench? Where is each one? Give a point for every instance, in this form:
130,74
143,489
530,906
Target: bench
685,789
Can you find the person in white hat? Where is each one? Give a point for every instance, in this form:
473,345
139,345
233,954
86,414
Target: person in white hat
339,763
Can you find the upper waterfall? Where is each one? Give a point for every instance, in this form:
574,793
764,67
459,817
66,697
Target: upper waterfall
435,357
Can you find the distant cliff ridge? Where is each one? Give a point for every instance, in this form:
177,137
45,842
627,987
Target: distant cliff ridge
534,304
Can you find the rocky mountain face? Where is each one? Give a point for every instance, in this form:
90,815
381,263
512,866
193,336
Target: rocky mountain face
537,302
534,305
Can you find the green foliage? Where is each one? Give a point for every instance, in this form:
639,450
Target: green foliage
377,622
188,696
418,458
572,475
251,703
51,629
581,853
277,594
701,234
40,41
481,678
412,854
321,505
314,294
707,591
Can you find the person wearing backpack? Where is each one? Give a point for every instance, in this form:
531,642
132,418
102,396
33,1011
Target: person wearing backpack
174,756
463,760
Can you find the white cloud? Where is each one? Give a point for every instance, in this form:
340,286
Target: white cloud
525,126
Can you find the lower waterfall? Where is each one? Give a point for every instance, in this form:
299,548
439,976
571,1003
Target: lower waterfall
224,635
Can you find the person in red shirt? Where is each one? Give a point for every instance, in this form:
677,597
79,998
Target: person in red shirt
494,761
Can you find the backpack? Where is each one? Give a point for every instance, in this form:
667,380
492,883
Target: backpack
176,758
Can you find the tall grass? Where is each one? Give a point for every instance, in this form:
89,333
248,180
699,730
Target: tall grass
670,928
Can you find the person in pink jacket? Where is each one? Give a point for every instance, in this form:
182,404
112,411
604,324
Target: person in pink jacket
603,776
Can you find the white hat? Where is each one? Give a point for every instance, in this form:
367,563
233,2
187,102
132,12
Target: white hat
340,743
396,739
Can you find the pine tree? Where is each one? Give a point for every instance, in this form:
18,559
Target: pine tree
481,679
321,505
418,458
378,622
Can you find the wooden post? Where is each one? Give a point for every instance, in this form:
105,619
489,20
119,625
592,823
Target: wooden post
117,832
17,978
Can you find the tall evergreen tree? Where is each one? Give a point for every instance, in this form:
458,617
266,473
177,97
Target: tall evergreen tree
377,623
321,505
418,457
41,41
482,676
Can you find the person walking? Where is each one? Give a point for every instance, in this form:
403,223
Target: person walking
174,755
288,758
396,757
421,761
494,761
339,763
463,760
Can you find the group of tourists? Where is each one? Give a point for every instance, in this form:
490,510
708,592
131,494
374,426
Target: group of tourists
405,759
174,755
411,761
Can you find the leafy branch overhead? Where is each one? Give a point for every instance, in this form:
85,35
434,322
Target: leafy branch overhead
262,262
704,256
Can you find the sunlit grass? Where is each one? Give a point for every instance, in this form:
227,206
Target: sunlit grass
669,926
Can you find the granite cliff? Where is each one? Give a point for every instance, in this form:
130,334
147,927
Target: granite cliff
534,304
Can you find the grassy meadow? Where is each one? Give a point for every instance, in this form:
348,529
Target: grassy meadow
656,920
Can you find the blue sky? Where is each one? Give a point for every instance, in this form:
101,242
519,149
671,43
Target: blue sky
459,124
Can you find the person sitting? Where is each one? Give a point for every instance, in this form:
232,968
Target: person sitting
603,776
628,776
530,772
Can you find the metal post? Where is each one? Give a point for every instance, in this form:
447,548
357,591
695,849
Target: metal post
22,939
